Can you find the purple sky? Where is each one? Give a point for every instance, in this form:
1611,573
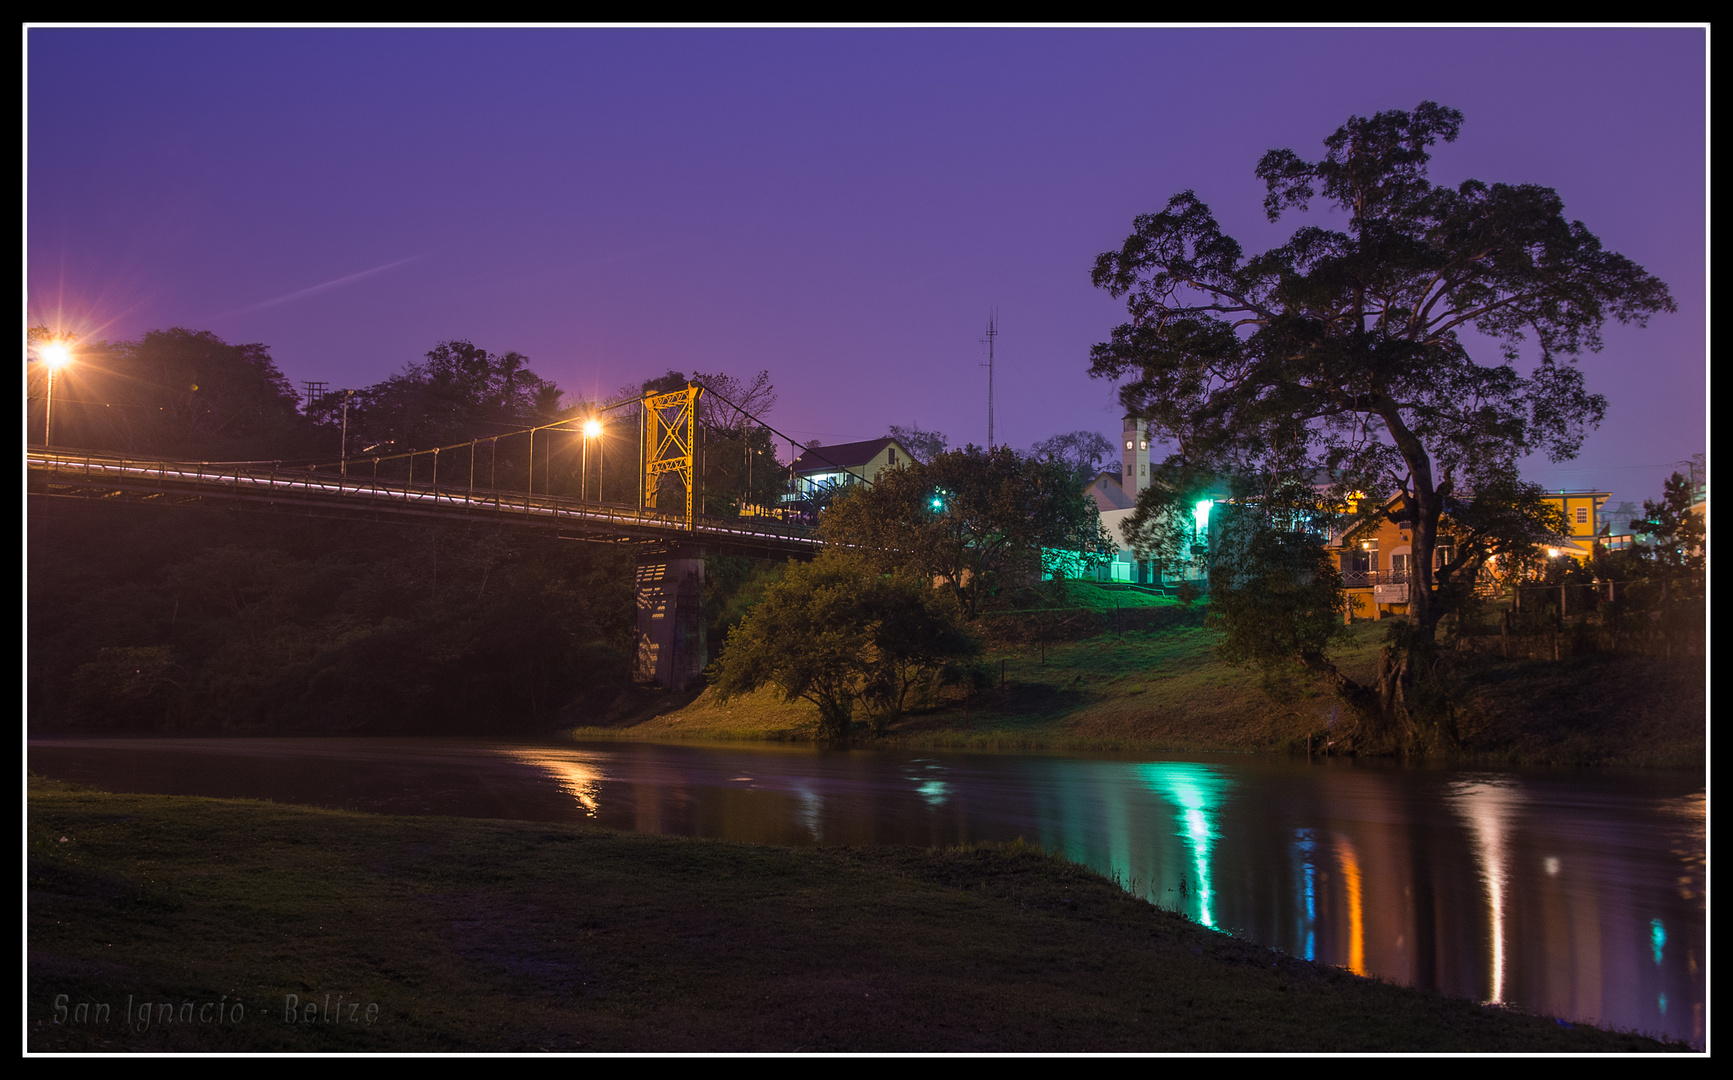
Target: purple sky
842,207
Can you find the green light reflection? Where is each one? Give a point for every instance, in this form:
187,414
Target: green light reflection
1196,792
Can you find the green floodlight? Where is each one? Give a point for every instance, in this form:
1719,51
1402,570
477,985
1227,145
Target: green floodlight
1201,514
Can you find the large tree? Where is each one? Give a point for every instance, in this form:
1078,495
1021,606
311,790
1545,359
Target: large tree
976,521
1677,530
178,393
1345,354
456,392
836,632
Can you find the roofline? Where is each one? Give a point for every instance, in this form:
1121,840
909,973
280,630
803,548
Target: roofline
818,451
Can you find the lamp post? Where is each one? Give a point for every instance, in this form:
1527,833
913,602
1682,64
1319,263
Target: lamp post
343,453
592,429
56,354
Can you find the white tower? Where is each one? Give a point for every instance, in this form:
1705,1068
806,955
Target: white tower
1136,456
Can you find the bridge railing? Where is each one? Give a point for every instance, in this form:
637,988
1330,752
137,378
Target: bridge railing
247,480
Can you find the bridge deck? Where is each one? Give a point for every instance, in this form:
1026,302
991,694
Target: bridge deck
97,475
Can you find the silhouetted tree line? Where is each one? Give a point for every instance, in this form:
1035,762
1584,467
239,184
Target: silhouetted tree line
207,621
210,621
175,393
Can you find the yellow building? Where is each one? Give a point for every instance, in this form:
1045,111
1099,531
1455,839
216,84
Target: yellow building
1376,556
1581,510
1376,560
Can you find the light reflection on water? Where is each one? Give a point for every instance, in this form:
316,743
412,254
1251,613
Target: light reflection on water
1490,805
1195,791
1580,895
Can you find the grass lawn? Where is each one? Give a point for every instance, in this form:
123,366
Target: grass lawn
1157,685
439,934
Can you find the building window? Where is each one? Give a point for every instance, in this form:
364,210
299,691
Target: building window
892,451
1582,515
1359,561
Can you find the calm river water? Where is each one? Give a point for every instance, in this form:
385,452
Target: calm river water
1575,894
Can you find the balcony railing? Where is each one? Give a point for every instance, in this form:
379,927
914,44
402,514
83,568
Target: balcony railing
1366,579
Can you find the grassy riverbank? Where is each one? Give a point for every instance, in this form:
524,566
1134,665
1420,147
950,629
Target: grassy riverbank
1143,675
485,935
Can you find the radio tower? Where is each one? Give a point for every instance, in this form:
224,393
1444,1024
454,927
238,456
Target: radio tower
992,332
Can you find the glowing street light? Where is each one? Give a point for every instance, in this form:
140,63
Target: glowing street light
56,354
592,430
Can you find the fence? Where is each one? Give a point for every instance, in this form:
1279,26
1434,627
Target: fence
1664,618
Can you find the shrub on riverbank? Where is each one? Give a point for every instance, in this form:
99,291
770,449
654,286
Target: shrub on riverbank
501,936
1159,686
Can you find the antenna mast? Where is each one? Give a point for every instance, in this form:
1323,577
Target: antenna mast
992,332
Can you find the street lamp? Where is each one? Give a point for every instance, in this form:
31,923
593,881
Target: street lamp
592,430
56,354
343,451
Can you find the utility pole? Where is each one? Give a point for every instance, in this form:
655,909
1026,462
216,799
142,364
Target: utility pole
992,332
343,454
314,392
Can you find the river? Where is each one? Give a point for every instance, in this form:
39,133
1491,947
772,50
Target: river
1576,894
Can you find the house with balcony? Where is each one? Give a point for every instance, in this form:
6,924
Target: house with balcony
1377,562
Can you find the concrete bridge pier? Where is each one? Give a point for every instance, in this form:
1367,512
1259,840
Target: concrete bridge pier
669,590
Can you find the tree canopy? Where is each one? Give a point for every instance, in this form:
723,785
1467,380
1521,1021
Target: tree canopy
178,393
1677,532
974,520
924,445
1343,358
1084,452
457,392
835,632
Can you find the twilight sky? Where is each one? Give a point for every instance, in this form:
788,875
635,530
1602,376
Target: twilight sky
842,207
